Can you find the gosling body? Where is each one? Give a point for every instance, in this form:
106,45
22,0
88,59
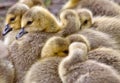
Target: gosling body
44,71
98,7
76,68
7,71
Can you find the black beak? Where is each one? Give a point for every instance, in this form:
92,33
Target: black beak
21,33
6,30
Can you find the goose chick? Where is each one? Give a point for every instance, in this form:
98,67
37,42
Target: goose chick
13,22
98,7
76,68
32,3
85,18
38,19
70,20
44,71
105,24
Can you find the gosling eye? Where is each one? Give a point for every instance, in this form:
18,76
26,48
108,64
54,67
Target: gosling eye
66,51
85,22
12,19
29,22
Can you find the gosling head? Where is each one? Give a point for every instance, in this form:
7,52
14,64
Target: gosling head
79,38
78,51
38,19
13,17
70,18
32,3
85,17
68,14
70,22
55,46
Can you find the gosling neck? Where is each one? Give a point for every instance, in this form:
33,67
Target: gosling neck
55,26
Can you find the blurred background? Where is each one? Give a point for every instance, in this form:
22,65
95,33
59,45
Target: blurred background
52,5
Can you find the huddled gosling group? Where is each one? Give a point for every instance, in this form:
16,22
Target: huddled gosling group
80,45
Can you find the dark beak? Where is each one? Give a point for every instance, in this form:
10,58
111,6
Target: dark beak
21,33
6,30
